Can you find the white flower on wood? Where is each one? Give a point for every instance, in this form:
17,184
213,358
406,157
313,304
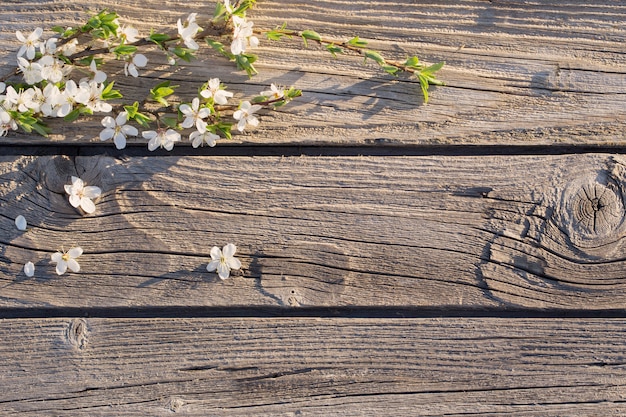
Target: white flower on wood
223,260
81,195
65,260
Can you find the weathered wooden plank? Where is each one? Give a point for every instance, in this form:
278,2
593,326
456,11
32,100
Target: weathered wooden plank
313,367
530,231
516,73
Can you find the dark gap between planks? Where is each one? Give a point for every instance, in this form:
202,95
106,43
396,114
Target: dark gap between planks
301,150
313,312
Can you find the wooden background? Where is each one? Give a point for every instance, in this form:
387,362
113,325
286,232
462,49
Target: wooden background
465,257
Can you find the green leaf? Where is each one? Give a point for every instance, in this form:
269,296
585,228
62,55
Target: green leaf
42,129
311,35
219,47
433,68
223,129
170,122
245,61
125,50
109,93
278,33
220,10
375,56
357,42
159,38
412,62
391,69
334,49
258,99
73,115
424,85
183,53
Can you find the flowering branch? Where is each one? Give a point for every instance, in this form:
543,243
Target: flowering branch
49,90
425,74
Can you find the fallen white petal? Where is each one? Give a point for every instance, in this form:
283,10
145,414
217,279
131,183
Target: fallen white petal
20,222
29,269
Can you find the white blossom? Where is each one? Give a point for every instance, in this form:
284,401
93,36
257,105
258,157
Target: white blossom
29,269
162,138
274,93
200,138
98,76
138,61
65,260
128,34
228,6
214,91
117,129
187,31
71,95
243,36
68,48
6,122
48,47
223,260
194,115
245,115
20,223
52,96
82,195
30,70
52,69
29,43
95,102
11,98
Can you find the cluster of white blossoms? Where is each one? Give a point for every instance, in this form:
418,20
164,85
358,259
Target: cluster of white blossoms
51,92
83,197
50,89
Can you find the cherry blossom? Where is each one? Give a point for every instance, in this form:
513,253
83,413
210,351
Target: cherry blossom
65,260
243,36
223,260
128,34
30,43
161,138
200,138
52,69
245,115
98,76
81,196
30,70
6,122
274,93
194,115
215,92
138,61
117,129
187,31
95,102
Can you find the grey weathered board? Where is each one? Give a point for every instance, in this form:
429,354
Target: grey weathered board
516,73
533,231
313,367
389,276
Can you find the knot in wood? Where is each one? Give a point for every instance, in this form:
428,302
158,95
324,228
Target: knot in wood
592,214
597,210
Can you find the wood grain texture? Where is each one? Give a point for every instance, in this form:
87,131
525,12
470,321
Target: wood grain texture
517,73
321,231
313,367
